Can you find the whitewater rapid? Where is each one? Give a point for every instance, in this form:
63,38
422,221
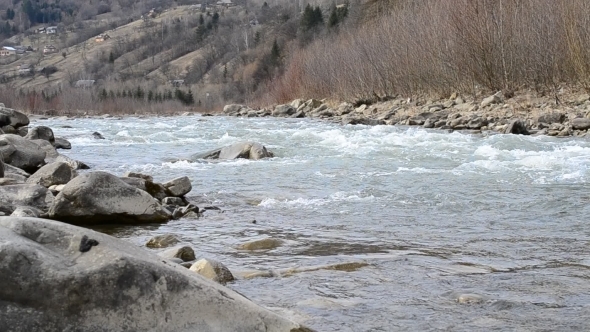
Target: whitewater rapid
434,214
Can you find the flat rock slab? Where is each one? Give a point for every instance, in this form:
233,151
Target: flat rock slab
59,277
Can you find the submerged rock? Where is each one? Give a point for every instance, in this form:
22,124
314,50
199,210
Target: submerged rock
246,150
58,277
62,143
179,187
100,197
162,241
264,244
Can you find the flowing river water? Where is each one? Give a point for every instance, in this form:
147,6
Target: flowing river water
459,232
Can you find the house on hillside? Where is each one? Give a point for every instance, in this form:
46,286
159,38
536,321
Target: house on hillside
7,51
84,84
41,30
225,3
51,30
25,69
102,37
177,83
50,49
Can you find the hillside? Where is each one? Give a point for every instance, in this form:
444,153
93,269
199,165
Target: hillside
218,53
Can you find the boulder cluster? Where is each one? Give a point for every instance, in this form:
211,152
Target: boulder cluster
38,181
57,276
494,113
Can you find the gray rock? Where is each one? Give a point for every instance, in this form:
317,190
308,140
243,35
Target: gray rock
516,127
9,181
9,169
212,269
41,132
50,151
360,120
26,211
179,187
247,150
25,154
100,197
22,131
232,109
139,175
9,130
1,168
97,135
74,164
25,195
185,253
49,285
580,123
477,123
285,110
162,241
62,143
493,99
551,117
52,174
173,201
16,118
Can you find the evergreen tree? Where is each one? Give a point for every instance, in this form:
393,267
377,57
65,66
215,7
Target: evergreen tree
111,57
150,96
215,18
139,94
201,20
275,54
124,94
190,99
103,94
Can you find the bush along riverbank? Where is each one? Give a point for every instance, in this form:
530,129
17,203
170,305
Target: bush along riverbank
566,115
54,272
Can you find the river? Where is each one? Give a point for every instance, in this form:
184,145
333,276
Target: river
460,232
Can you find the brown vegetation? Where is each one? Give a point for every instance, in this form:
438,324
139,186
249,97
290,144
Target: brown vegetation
445,46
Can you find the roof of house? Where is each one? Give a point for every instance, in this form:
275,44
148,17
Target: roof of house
8,48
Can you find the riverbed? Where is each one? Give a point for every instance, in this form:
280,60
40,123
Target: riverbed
461,232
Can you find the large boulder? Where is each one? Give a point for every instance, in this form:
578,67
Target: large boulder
16,118
22,153
59,277
517,127
179,187
52,174
232,109
1,168
41,132
247,150
580,123
551,117
100,197
12,196
62,143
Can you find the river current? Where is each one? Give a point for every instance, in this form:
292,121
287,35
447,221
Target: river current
460,232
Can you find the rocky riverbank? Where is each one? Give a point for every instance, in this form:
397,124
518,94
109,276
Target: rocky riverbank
567,115
54,273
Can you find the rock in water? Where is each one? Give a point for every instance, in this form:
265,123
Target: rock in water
247,150
100,197
213,270
163,241
62,143
97,135
517,127
49,285
179,187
